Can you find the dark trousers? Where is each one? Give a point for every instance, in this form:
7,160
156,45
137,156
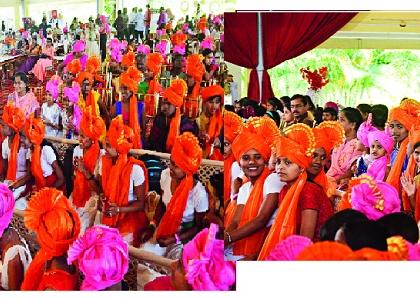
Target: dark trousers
137,34
131,31
102,45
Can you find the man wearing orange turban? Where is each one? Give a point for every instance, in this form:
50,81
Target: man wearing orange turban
154,63
303,205
211,120
85,156
124,181
169,123
401,119
14,156
88,96
56,224
252,149
195,71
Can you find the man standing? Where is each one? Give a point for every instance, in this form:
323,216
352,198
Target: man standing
139,23
119,25
147,19
125,18
132,24
299,107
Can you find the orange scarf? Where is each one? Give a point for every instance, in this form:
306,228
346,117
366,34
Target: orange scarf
411,170
134,122
227,184
395,173
81,192
59,280
252,244
35,130
12,160
174,128
90,101
285,223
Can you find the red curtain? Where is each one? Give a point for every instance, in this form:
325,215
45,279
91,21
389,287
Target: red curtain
241,46
287,35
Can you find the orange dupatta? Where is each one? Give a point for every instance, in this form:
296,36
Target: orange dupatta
134,122
285,223
229,205
411,169
35,130
251,244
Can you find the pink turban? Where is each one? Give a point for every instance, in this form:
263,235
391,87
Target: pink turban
7,204
204,263
413,251
72,92
102,256
289,248
364,129
78,46
180,49
52,87
383,138
143,49
332,105
374,198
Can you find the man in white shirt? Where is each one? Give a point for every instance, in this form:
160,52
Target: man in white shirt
132,23
139,29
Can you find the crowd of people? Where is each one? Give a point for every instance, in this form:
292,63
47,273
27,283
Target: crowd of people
160,91
331,183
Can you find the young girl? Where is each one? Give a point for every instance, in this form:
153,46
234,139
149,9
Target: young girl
50,111
381,145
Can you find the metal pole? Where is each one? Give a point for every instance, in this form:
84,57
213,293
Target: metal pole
260,67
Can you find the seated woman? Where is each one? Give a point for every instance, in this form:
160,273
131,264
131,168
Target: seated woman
13,153
124,181
22,98
33,56
179,216
45,60
56,224
257,198
15,256
101,255
169,123
303,206
50,111
78,52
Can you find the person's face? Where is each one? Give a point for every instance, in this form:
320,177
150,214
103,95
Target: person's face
298,108
227,148
213,105
175,171
24,141
287,170
177,62
270,107
148,75
326,116
78,54
49,98
348,127
237,107
110,152
376,150
208,59
86,86
416,154
319,158
125,93
190,81
49,43
252,163
287,115
140,60
19,85
167,108
6,130
84,141
68,78
398,131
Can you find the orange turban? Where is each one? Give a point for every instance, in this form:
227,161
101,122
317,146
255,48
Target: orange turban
213,91
93,64
195,66
35,131
120,136
92,126
74,66
82,76
399,246
258,133
186,154
128,59
233,124
131,80
325,251
202,23
328,135
298,144
56,224
15,119
372,254
175,95
154,62
407,113
179,38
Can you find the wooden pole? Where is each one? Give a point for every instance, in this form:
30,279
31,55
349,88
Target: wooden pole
150,257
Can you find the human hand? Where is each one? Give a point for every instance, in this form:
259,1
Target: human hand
165,242
112,210
408,184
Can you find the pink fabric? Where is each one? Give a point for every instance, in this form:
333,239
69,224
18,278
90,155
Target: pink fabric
43,63
207,43
78,46
117,49
413,251
161,47
217,20
383,138
204,264
364,129
332,105
179,49
342,158
160,32
377,168
143,49
70,57
375,201
7,204
102,256
27,103
73,95
289,248
52,87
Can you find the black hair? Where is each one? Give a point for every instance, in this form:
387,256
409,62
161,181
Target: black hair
287,103
309,102
336,221
402,224
364,108
318,114
24,78
274,115
353,115
276,103
366,234
379,115
331,111
50,39
206,52
285,98
229,107
47,143
299,96
416,145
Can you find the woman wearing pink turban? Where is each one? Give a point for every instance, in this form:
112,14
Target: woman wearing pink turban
78,53
201,268
101,255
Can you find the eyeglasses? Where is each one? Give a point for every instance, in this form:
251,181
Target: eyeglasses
296,106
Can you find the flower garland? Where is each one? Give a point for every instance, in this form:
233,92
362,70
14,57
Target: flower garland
317,79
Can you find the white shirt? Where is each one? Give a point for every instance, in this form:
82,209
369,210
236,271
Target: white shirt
236,172
132,18
198,200
136,177
47,159
139,20
21,157
52,115
272,184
